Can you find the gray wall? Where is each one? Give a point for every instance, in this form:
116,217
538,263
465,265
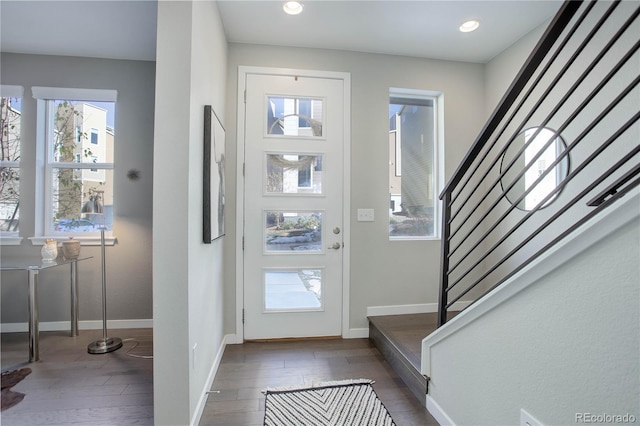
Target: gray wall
187,306
129,261
501,70
382,272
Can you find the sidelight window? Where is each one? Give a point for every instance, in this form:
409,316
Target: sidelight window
414,164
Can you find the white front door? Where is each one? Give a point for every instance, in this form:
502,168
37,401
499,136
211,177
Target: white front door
293,206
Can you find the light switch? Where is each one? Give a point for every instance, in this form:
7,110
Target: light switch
365,215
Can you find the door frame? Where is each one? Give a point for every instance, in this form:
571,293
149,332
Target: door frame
243,71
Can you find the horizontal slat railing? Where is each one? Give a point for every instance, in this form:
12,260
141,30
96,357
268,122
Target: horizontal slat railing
563,144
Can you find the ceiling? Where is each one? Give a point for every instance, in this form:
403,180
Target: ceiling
420,28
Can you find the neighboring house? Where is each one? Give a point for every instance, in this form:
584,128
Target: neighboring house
82,137
411,171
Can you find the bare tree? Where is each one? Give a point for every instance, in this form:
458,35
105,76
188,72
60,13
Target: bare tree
69,190
9,153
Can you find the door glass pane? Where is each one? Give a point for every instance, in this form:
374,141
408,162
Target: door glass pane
291,116
293,290
286,231
294,174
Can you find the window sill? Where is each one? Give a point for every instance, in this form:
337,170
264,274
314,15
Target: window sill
10,241
84,240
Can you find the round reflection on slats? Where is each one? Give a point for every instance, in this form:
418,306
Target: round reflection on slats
529,166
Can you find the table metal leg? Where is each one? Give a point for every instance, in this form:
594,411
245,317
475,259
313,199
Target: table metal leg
74,299
34,331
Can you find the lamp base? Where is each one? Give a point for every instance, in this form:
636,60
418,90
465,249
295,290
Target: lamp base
103,346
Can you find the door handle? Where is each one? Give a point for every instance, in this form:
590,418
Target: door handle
335,246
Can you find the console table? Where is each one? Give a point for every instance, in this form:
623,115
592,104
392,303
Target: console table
33,266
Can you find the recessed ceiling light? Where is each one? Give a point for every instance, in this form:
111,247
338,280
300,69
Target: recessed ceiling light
469,26
292,7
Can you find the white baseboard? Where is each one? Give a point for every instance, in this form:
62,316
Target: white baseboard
357,333
232,339
23,327
422,308
438,413
352,333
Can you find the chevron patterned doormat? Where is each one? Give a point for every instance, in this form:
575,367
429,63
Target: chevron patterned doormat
340,403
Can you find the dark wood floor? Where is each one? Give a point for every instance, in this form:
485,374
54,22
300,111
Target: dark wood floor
70,387
247,369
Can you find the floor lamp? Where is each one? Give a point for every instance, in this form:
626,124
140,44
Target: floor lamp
106,344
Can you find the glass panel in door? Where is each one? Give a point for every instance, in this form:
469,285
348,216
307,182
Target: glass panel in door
293,290
292,232
293,116
293,174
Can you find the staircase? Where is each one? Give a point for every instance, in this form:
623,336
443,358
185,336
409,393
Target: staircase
576,97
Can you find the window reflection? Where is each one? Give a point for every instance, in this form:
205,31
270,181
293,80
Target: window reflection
534,151
294,116
294,174
412,167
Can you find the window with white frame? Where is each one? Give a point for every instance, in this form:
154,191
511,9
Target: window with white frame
75,158
10,154
94,135
414,164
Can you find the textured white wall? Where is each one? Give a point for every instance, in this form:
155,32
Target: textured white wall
567,344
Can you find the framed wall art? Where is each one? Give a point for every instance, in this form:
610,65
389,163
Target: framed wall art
213,185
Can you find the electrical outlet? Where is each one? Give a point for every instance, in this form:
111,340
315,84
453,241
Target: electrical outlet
365,215
527,419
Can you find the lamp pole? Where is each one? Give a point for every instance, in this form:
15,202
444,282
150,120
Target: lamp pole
106,344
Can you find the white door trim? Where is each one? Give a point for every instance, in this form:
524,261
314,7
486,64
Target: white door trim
243,71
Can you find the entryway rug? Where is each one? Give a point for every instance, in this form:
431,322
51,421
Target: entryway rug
9,379
339,403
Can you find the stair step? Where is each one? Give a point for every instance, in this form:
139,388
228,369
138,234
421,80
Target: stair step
399,339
